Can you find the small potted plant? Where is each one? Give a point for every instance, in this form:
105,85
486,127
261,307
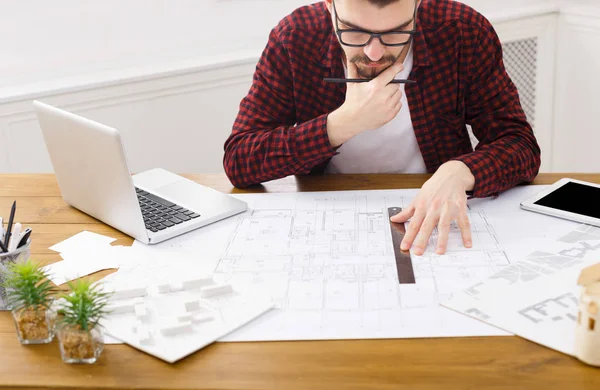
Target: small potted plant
30,294
79,333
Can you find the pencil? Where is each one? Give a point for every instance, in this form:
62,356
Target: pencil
10,222
335,80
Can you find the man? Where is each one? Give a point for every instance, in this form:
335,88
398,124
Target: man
293,122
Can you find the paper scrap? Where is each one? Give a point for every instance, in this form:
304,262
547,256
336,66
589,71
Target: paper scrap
65,271
82,241
83,254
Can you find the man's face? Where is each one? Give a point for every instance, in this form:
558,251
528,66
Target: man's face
374,58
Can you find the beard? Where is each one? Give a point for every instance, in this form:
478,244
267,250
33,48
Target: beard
366,72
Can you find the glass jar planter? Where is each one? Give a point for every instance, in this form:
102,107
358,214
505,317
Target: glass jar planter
35,325
80,346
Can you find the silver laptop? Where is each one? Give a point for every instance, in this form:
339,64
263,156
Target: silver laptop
93,176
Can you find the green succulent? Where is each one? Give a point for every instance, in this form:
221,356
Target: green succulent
84,306
27,285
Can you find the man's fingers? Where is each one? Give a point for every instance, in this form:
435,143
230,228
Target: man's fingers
393,90
389,74
404,215
396,108
352,70
444,230
411,231
465,228
427,227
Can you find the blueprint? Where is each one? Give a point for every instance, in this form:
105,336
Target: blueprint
536,298
326,259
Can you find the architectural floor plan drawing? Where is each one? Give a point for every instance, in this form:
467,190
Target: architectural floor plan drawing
536,298
327,261
571,250
554,309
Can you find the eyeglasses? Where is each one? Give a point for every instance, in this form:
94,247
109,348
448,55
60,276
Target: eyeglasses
361,38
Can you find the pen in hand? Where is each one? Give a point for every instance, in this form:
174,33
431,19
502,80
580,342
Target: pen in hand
336,80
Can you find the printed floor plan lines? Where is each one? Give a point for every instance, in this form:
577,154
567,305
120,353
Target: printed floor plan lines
552,309
328,261
536,298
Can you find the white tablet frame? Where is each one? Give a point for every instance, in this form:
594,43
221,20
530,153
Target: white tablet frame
530,205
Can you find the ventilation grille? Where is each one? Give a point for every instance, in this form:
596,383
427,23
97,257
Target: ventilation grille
520,61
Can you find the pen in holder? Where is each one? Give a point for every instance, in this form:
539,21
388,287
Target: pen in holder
6,258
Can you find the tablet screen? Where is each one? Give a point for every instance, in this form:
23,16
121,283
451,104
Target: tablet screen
575,198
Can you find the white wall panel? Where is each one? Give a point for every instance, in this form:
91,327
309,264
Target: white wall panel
577,101
176,122
170,74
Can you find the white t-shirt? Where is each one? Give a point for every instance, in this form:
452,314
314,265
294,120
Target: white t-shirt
392,148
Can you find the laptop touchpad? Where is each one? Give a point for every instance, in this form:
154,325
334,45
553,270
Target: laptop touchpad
185,194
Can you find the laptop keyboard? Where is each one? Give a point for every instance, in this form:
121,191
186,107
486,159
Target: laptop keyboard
160,214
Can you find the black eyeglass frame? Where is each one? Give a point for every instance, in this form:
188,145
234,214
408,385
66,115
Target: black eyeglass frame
410,33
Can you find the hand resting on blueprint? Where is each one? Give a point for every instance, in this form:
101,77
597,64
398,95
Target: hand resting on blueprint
441,200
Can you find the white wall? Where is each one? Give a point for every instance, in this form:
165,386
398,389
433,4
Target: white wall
178,121
577,98
170,73
49,39
45,40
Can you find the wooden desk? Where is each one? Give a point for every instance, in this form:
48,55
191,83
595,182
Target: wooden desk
473,363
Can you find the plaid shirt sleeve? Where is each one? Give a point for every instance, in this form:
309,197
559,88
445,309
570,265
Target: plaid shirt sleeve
507,153
266,143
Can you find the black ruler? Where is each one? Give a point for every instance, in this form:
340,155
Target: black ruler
406,274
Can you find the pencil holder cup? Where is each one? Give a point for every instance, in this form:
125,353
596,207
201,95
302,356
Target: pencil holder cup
22,253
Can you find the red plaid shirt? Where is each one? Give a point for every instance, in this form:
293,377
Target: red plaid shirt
281,128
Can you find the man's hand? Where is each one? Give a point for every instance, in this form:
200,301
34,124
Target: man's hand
368,106
442,199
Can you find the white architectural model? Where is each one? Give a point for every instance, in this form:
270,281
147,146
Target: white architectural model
128,293
173,319
587,334
121,308
214,290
